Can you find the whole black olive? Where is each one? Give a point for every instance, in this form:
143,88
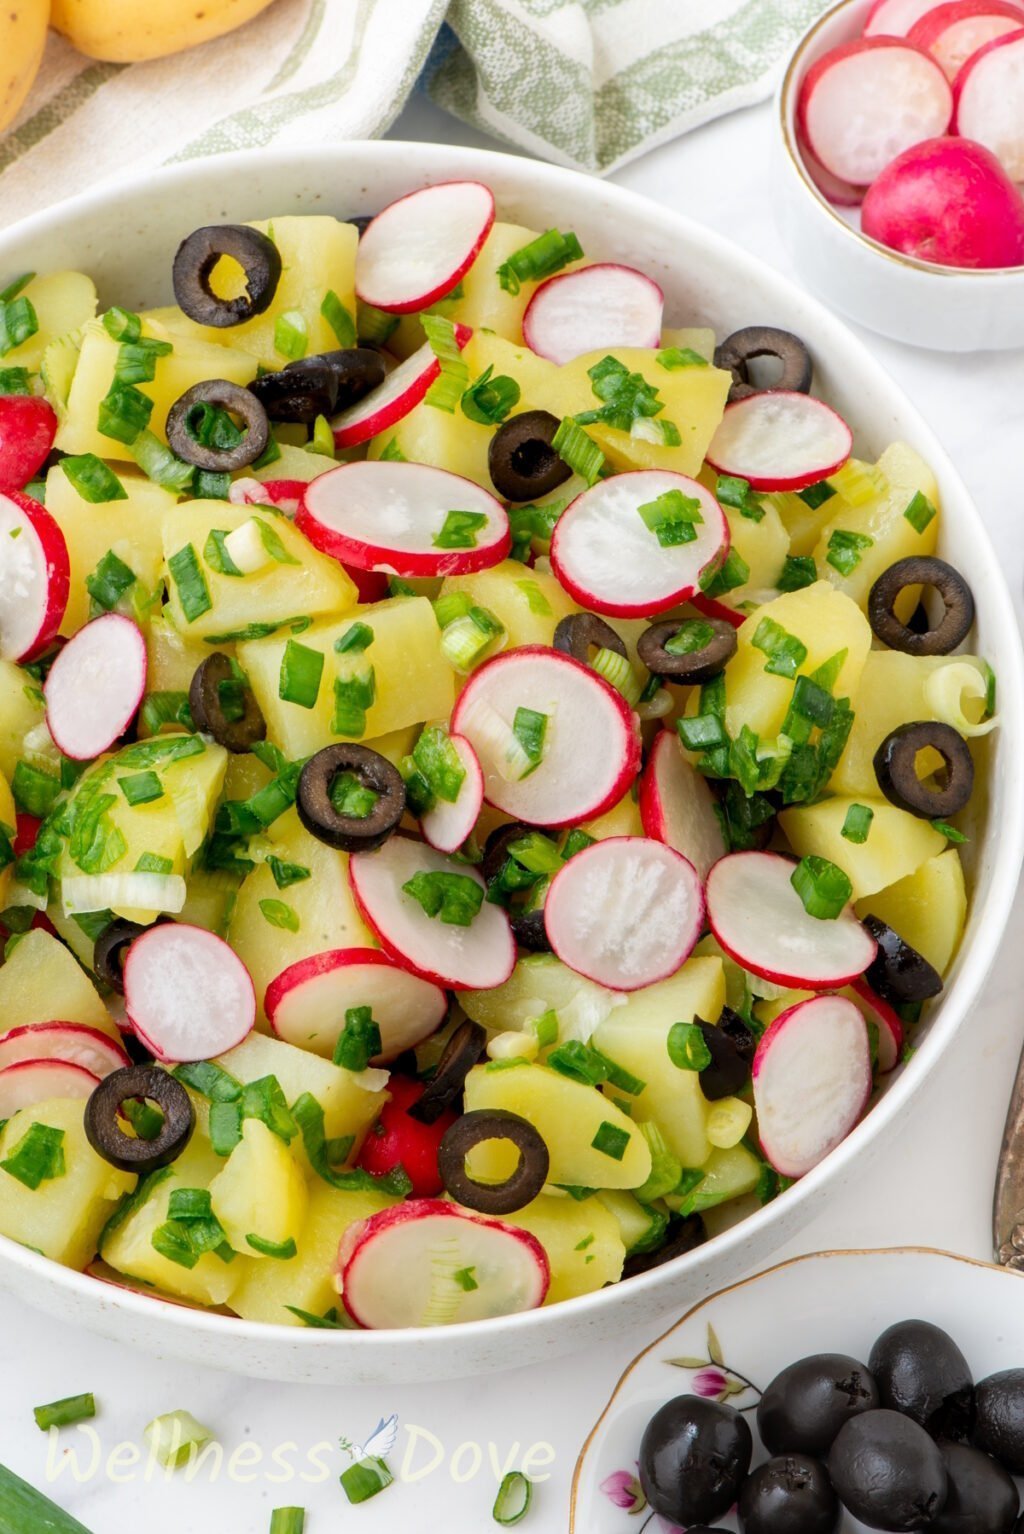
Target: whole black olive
957,606
888,1472
198,255
804,1407
350,833
443,1090
895,764
731,1045
683,1236
522,463
714,646
213,682
920,1371
789,1495
319,385
898,972
982,1499
478,1127
224,395
693,1457
580,633
738,351
999,1418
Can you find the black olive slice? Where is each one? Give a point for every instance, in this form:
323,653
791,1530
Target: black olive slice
731,1045
580,633
319,385
460,1054
683,1237
127,1153
895,764
529,930
496,847
474,1129
521,460
350,833
362,221
898,973
110,949
737,351
692,666
957,607
194,262
207,693
226,396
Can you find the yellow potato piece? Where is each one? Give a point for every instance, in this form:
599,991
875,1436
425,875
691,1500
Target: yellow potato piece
21,711
582,1240
42,982
8,829
928,908
128,31
529,603
63,301
897,842
261,1191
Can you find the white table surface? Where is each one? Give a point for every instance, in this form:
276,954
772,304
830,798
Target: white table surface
937,1190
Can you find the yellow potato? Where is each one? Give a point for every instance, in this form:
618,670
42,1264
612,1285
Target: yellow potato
8,826
896,844
127,31
530,603
928,908
42,982
261,1192
22,40
582,1241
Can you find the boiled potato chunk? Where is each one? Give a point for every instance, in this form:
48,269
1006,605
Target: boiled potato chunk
582,1241
63,1217
445,440
541,983
728,1174
21,710
484,302
763,547
569,1117
882,520
42,983
529,603
261,1191
897,842
173,658
623,819
928,908
63,302
8,829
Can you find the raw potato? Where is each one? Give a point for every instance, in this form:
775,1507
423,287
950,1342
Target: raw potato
530,603
127,31
22,40
582,1240
260,1192
42,983
897,842
928,909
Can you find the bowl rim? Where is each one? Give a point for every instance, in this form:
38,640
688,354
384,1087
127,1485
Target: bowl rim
785,105
425,164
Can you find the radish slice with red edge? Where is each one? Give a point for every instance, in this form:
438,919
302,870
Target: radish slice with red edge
715,609
594,308
609,557
35,577
890,1029
307,1002
401,391
780,440
476,957
188,995
990,101
407,519
95,686
841,194
866,101
285,494
37,1081
420,247
407,1266
447,824
953,32
70,1043
28,426
759,919
894,18
625,912
583,757
812,1081
677,807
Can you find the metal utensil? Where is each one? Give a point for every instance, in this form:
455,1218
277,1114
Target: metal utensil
1008,1204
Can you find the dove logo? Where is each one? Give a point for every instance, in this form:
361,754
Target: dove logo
369,1472
380,1442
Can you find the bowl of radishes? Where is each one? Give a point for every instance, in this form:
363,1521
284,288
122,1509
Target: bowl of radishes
901,168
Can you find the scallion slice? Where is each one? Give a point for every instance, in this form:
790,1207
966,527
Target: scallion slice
448,388
489,400
542,257
512,1503
159,464
798,571
92,479
123,413
687,1047
718,580
617,671
375,326
529,728
18,322
732,491
845,549
339,318
38,1156
122,324
439,762
610,1140
459,530
301,671
359,1041
282,1251
824,889
672,517
63,1413
786,653
279,914
190,582
141,787
289,1520
291,335
579,450
467,639
674,357
919,512
857,823
175,1438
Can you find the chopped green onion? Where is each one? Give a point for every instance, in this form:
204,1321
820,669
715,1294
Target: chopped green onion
374,325
626,397
141,787
530,523
666,1169
109,581
284,1251
264,1100
692,635
798,571
611,1141
137,360
439,762
350,797
18,322
175,1438
15,381
359,1041
546,1028
193,592
92,479
618,672
392,453
536,601
466,1279
356,638
18,285
122,324
365,1479
66,1412
123,413
949,832
672,518
329,1321
291,334
159,464
38,1156
701,732
542,257
353,695
824,889
816,495
453,898
210,1080
153,863
301,670
291,1520
919,512
459,530
490,399
687,1047
339,318
717,580
451,383
857,823
286,874
34,789
732,491
578,449
162,708
785,652
466,640
581,1062
845,549
279,914
530,728
536,853
674,357
513,1500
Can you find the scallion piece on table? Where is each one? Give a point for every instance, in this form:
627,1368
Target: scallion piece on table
63,1413
175,1437
288,1520
512,1503
27,1511
365,1479
824,889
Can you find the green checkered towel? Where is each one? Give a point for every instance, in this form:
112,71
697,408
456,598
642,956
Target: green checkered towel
586,83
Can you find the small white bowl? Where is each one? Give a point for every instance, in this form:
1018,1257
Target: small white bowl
944,308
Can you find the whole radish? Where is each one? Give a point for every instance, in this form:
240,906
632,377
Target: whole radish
396,1140
947,201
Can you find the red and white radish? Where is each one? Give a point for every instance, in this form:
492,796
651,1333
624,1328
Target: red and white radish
711,608
476,957
886,1021
590,751
188,995
812,1082
760,920
596,307
69,1043
609,558
866,101
306,1003
95,686
842,194
952,32
780,440
396,1139
677,807
394,517
406,1267
35,577
28,426
421,246
285,494
625,912
401,391
447,824
37,1081
948,201
990,101
894,18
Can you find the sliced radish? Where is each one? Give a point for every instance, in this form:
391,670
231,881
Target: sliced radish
28,426
285,494
591,746
840,193
446,825
187,994
37,1081
475,958
866,101
395,517
35,577
70,1043
307,1002
609,559
894,18
812,1081
780,440
420,247
607,305
677,807
890,1029
714,609
625,912
990,101
953,32
759,919
95,686
407,1266
401,391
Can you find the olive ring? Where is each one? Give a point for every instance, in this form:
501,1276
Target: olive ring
895,764
109,950
350,833
198,255
443,1090
127,1152
226,396
957,604
207,708
696,666
476,1128
577,634
737,351
521,460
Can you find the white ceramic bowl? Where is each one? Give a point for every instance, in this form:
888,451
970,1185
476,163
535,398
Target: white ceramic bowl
942,307
125,236
828,1302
